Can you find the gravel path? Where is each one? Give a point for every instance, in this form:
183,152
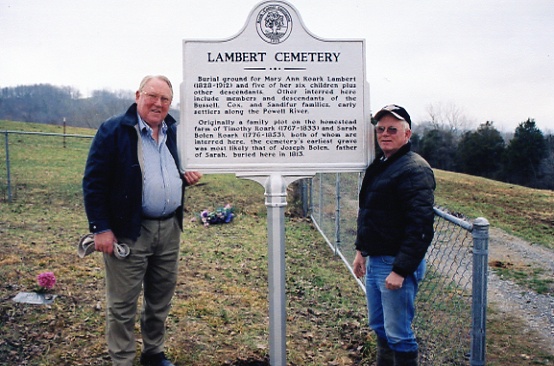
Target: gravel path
536,310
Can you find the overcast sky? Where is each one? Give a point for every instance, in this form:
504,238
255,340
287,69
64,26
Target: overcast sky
492,59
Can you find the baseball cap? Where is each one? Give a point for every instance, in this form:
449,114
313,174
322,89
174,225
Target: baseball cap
396,110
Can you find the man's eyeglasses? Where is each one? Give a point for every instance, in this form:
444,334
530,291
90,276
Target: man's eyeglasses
390,130
154,98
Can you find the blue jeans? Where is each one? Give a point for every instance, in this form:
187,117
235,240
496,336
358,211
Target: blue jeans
391,311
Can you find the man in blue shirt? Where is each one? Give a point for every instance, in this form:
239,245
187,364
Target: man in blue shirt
133,193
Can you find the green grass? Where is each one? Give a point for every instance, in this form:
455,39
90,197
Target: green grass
524,212
220,310
537,279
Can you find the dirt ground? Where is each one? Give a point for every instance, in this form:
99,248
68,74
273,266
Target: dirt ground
535,309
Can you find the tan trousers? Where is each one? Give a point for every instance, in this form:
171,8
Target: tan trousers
152,266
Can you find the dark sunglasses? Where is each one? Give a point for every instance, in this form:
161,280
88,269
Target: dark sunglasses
390,130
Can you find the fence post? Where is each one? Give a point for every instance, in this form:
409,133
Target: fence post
320,199
64,133
310,197
480,234
337,214
304,195
9,181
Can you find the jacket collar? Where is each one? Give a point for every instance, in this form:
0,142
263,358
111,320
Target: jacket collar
379,165
401,152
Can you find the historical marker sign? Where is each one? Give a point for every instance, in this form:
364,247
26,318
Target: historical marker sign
274,98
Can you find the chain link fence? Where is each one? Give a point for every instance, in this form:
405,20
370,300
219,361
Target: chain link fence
451,303
450,322
31,148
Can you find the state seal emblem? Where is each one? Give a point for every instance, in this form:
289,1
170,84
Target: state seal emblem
274,24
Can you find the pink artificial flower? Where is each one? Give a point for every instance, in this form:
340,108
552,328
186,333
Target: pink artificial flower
46,280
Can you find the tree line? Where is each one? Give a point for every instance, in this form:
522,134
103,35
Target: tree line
524,158
445,140
45,103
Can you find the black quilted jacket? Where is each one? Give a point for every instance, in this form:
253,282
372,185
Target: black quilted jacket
396,214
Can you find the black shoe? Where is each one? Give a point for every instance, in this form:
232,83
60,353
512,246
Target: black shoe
157,359
405,358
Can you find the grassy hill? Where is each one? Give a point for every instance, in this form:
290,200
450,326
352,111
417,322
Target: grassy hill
219,315
524,212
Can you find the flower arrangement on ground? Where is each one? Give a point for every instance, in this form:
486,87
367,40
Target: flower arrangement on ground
46,281
222,215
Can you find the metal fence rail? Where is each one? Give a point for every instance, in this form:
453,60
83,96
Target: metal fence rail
24,145
451,304
451,307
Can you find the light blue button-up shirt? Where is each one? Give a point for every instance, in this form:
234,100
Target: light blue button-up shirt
161,193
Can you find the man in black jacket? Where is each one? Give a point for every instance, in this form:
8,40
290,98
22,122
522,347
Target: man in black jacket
133,193
395,228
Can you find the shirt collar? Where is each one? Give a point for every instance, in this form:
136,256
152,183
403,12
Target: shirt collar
143,125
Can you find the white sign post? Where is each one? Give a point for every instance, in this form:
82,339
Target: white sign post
274,104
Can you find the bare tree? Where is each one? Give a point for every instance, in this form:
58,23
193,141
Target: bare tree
448,116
